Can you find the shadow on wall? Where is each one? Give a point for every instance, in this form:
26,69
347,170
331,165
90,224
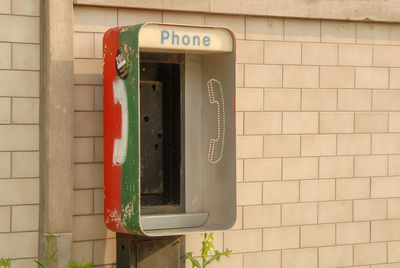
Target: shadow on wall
92,241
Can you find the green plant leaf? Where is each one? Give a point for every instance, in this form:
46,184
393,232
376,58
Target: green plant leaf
40,264
195,263
5,262
218,256
48,256
53,255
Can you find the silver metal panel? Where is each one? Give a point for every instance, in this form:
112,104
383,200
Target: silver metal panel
210,156
171,221
193,148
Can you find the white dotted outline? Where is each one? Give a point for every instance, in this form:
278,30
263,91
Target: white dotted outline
220,136
121,145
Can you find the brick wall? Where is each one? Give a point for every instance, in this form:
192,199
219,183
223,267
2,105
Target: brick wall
19,131
318,142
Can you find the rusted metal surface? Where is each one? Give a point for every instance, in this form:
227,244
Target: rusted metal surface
148,252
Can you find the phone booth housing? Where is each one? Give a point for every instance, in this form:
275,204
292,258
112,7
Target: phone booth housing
169,129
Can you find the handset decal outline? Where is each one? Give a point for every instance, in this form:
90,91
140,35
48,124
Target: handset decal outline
121,145
216,145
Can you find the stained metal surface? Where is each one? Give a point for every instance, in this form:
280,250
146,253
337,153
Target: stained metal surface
147,252
151,129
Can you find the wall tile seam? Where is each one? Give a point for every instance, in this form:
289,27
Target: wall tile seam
28,204
88,136
300,19
20,178
326,246
19,97
87,214
20,69
310,42
375,67
94,240
19,205
88,111
16,14
349,67
91,83
19,124
19,232
19,151
23,258
323,201
92,188
267,158
322,88
18,43
88,163
283,226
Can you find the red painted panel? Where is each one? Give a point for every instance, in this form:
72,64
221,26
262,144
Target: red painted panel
112,131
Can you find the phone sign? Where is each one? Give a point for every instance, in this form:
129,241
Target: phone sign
185,38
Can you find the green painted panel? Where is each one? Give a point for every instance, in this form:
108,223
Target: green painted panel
130,211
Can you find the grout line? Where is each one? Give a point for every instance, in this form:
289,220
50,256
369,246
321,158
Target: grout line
387,209
11,218
118,17
370,185
11,55
337,56
335,234
387,166
320,31
11,115
301,53
11,165
356,33
264,51
299,228
387,251
370,232
94,46
242,208
245,27
92,245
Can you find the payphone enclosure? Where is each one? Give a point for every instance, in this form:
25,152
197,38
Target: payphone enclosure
169,129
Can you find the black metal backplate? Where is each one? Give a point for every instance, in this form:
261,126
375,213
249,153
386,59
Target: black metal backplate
150,252
160,133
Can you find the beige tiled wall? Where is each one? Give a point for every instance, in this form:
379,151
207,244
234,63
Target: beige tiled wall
318,145
19,131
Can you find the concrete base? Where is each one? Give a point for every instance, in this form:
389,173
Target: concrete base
56,129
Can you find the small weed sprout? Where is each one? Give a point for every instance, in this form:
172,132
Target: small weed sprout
75,264
49,255
207,247
5,263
